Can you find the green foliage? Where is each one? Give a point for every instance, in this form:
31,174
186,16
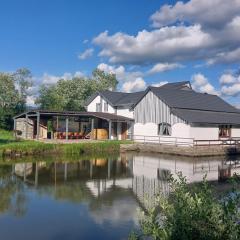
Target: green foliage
71,94
192,213
13,94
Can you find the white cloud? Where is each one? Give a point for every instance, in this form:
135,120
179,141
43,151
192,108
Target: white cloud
30,101
86,54
163,67
159,84
201,84
230,84
167,44
210,14
130,81
49,79
121,73
233,90
211,34
227,78
52,79
134,86
226,57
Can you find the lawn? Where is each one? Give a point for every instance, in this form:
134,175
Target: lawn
11,147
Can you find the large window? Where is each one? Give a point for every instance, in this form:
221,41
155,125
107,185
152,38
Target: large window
105,107
98,107
164,129
224,131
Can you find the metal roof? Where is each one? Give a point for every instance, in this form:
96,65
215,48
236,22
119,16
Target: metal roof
117,99
193,100
102,115
210,117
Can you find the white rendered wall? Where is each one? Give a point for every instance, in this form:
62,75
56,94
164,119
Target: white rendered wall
204,133
148,129
181,130
125,112
92,106
236,132
110,108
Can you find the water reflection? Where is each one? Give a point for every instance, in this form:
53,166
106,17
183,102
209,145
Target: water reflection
94,198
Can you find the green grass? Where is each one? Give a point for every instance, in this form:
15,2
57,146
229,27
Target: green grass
11,147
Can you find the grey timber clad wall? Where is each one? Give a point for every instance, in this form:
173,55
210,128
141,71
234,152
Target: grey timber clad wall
21,126
152,109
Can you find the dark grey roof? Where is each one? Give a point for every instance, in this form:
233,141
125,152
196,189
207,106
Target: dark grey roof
102,115
185,85
117,99
199,116
192,100
191,106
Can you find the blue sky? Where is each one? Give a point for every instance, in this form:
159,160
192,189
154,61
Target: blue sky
143,41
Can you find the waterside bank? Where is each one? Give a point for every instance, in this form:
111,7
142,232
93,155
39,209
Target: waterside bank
199,151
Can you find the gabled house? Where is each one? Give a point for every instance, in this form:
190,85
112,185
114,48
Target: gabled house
172,110
167,113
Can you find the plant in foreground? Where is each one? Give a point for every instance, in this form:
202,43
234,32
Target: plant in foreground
191,212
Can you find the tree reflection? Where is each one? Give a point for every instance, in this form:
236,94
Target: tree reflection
12,195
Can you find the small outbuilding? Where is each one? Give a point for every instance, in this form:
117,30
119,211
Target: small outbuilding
42,124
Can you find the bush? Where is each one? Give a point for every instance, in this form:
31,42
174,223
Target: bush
191,213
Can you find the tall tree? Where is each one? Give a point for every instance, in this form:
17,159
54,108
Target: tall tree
106,81
71,94
23,82
13,95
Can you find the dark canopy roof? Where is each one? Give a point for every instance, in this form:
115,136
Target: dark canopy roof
102,115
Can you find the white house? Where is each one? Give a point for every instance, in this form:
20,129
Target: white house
171,111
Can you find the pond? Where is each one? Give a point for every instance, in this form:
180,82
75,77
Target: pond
92,198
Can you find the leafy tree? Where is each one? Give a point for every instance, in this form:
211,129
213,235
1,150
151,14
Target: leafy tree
23,81
105,80
71,94
13,95
192,214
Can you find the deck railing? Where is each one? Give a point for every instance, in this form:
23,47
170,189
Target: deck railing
219,142
166,140
181,141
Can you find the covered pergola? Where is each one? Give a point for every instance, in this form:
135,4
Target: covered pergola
66,125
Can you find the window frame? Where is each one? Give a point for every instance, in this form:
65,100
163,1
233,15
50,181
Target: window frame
225,131
105,106
164,129
98,107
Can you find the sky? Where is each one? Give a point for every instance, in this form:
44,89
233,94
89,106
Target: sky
144,42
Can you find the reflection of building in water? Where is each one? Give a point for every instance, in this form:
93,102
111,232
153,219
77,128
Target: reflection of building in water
145,175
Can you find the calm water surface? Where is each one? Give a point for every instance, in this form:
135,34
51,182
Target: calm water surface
94,198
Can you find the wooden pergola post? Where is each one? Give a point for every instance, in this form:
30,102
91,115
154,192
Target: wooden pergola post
14,127
109,129
26,126
132,130
92,128
67,121
38,125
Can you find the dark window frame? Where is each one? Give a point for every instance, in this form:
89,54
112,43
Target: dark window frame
164,129
98,107
105,107
224,131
